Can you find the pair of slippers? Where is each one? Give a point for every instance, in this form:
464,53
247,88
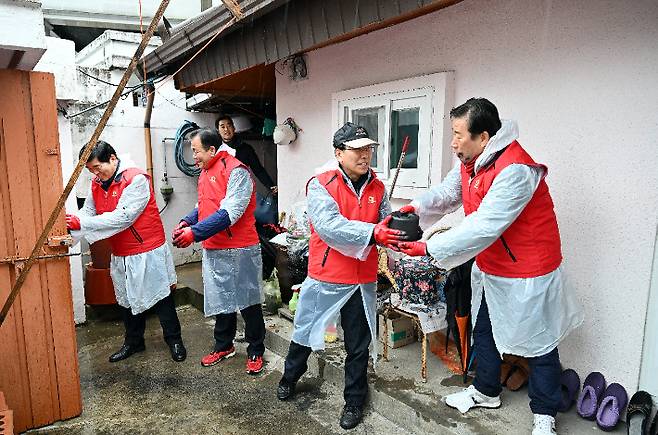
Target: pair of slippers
514,372
596,401
639,413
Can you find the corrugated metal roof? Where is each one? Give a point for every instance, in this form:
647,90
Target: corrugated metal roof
190,35
294,27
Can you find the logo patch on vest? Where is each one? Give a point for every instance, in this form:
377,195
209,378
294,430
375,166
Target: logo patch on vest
213,179
371,200
477,184
115,194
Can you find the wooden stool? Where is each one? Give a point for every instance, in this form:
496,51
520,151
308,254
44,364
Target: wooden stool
414,318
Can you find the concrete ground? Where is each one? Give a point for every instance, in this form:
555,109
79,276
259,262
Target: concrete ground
150,394
397,392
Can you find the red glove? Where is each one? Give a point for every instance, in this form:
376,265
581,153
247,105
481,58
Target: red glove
386,236
407,209
415,249
184,238
178,229
72,222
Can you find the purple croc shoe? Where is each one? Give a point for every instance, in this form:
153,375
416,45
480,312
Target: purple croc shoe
588,401
570,385
613,403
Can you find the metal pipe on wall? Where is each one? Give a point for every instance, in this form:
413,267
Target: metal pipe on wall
150,92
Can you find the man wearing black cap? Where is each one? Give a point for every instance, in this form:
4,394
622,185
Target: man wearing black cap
345,205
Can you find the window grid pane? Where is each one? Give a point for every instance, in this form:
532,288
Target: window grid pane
404,122
368,118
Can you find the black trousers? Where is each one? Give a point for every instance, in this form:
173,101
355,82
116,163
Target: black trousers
254,330
357,339
136,323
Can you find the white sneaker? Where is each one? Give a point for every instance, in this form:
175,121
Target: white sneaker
471,398
543,425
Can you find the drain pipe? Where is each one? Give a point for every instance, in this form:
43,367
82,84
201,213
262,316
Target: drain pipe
147,131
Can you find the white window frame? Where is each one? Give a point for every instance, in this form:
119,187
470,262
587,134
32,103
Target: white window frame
433,94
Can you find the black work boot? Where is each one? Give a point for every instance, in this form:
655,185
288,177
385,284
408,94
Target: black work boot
351,416
285,390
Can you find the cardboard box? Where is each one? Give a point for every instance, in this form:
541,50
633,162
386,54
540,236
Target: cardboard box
400,330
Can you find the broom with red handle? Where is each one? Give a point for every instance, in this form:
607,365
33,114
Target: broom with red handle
405,146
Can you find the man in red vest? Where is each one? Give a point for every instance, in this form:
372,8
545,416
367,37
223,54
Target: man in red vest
520,304
345,205
231,265
122,207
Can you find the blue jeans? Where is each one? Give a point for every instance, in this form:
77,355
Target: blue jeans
544,381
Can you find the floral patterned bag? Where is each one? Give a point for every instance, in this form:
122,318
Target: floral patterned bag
420,281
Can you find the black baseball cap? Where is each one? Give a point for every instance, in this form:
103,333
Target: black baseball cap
353,136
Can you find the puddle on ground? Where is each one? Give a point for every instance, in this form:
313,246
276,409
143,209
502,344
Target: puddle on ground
456,381
399,383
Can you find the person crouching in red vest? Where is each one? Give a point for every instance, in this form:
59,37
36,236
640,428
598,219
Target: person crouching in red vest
122,207
231,264
520,305
345,205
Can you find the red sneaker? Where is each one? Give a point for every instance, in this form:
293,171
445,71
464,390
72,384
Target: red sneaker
214,357
254,364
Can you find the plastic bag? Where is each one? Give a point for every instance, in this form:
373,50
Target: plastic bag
272,294
298,236
297,222
266,209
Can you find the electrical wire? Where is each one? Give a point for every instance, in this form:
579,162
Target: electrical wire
171,102
219,31
96,78
125,94
141,31
184,130
151,81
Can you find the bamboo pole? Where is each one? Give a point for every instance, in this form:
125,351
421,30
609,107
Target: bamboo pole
403,154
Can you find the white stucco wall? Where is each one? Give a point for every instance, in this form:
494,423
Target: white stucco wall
59,59
113,49
21,29
116,9
77,283
579,77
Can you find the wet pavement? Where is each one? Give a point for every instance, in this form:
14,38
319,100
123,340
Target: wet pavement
149,393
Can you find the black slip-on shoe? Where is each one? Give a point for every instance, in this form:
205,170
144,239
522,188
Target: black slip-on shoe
178,352
638,413
125,351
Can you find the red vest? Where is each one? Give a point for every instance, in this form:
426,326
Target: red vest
328,265
213,182
528,248
146,233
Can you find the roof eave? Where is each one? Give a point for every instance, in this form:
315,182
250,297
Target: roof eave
196,32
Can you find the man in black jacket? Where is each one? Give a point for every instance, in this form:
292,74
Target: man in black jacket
243,151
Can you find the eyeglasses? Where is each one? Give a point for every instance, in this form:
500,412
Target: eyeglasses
369,148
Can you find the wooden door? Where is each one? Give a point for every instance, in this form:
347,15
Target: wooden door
38,354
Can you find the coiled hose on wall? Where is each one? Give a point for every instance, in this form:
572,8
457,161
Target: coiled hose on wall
182,133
